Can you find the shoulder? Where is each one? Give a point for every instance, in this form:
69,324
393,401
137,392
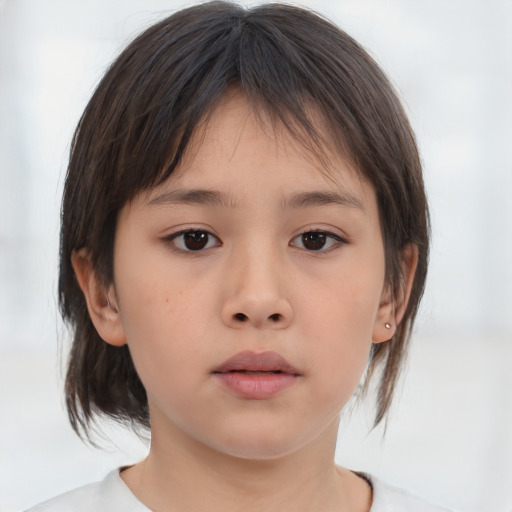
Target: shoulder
390,499
109,495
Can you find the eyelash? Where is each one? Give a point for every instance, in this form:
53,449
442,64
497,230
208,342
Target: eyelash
176,236
336,240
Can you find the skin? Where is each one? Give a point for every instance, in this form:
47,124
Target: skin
257,285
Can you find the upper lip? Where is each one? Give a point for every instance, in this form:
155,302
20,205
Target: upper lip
257,362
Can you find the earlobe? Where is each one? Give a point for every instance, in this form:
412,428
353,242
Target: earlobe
101,301
384,327
392,309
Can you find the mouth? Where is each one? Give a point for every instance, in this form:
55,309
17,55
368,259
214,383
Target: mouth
249,372
256,376
253,362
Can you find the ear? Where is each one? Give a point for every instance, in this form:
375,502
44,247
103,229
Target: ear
391,308
101,301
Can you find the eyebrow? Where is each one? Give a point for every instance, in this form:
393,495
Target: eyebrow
293,202
322,198
194,197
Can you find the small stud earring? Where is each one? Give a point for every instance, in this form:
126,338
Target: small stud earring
387,326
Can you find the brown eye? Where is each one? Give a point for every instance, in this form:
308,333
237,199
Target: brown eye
314,241
194,240
319,241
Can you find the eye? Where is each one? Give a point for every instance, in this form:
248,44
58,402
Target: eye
319,241
193,240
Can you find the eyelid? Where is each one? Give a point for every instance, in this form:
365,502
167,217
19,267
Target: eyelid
172,237
339,240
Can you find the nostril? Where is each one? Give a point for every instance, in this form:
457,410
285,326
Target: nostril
242,317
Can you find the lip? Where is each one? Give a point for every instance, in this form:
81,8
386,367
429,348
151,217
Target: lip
256,376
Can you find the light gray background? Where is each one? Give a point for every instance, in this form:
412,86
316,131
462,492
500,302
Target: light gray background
449,438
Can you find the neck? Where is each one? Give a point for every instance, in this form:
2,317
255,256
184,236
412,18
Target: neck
189,476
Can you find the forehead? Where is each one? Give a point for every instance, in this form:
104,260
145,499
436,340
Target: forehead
239,147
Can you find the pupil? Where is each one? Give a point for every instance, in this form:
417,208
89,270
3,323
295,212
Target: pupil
195,240
314,241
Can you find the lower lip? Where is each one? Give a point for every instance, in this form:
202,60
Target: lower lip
255,387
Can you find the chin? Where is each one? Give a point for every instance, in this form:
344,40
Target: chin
260,443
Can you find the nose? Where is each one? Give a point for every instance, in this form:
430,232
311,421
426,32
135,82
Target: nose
255,294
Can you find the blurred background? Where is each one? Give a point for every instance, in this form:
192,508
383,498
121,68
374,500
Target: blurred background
449,437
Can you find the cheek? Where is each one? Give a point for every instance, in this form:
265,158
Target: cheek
341,365
346,304
164,318
340,326
156,295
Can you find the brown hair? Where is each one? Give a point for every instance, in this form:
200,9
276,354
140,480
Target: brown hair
135,130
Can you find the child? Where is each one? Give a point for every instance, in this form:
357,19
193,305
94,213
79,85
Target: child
244,233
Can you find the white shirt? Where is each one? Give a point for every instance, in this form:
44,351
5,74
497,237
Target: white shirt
113,495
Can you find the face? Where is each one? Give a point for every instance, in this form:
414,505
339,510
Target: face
249,288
